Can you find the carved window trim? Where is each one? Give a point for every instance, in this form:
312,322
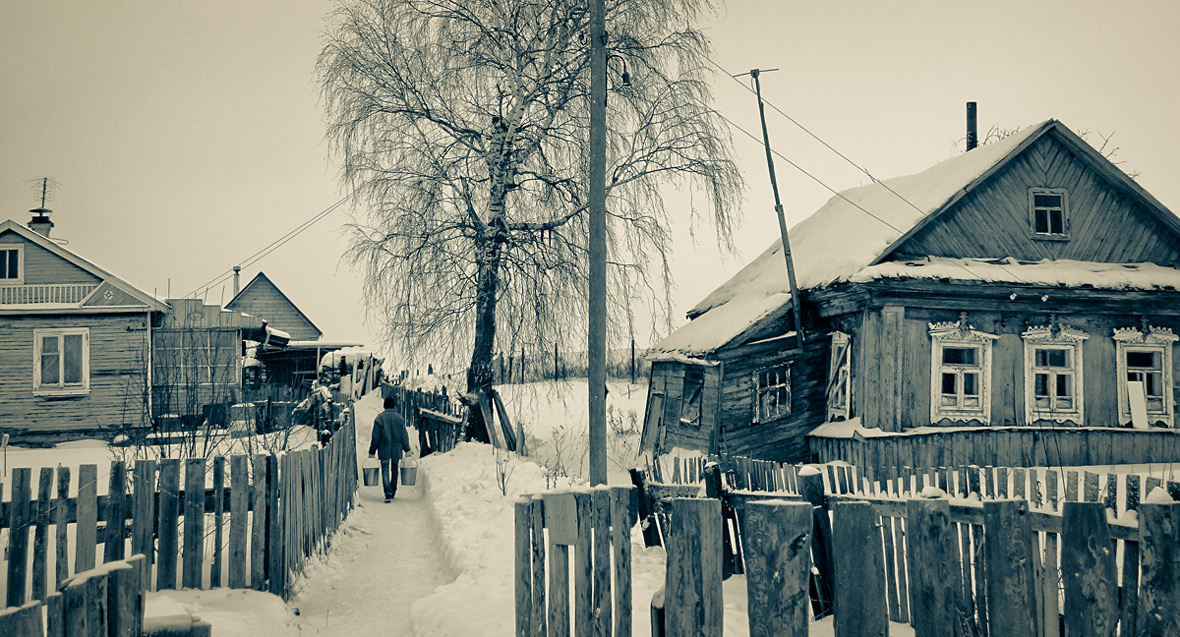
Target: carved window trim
960,335
1158,340
1054,337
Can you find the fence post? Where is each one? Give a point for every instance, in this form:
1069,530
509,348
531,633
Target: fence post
859,602
1009,555
778,563
21,620
933,602
41,535
1159,533
693,575
811,487
1088,564
647,522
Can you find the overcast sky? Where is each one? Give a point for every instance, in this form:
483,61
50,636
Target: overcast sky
187,136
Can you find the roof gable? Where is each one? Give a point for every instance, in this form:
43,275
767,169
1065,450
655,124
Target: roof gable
74,269
262,298
867,225
1107,219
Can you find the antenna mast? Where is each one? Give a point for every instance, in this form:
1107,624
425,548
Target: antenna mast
778,209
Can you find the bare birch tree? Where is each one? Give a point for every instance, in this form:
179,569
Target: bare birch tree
462,126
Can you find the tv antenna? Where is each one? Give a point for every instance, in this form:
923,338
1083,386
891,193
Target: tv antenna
47,187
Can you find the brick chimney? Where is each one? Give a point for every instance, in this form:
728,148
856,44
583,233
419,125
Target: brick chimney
40,222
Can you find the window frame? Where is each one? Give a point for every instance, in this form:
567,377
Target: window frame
1032,214
759,390
1060,338
61,388
20,263
1156,340
689,403
960,335
839,378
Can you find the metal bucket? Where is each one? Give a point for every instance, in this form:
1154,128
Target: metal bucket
409,475
372,476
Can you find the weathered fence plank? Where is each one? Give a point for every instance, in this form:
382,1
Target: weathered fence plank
934,605
859,602
169,543
621,522
22,620
41,535
537,530
55,608
1009,555
194,522
143,517
18,537
693,575
239,517
115,544
603,606
258,525
218,508
523,564
778,564
86,537
1091,582
61,563
276,577
583,568
1159,530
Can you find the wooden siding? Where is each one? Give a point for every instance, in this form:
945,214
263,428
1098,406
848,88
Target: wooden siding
781,440
117,353
896,395
43,267
264,300
993,220
676,433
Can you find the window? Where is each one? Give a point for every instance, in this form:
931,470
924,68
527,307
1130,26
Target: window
839,378
1053,374
11,262
773,393
1145,370
61,361
1048,208
960,372
690,408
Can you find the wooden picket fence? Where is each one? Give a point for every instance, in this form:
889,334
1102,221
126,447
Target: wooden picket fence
102,602
1009,583
261,526
896,542
437,417
595,524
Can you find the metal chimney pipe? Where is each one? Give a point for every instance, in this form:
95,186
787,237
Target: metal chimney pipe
972,136
237,274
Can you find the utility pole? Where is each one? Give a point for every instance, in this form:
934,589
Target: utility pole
778,209
596,330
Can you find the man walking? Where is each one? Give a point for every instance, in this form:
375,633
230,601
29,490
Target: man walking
390,440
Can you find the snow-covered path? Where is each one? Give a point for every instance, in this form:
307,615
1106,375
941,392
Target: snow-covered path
383,558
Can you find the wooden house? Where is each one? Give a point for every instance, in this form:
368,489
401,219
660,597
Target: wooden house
262,298
1017,304
74,338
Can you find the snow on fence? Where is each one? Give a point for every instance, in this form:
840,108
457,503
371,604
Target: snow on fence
595,525
108,600
912,551
256,532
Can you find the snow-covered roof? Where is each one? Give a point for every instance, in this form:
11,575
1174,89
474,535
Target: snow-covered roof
1063,272
857,228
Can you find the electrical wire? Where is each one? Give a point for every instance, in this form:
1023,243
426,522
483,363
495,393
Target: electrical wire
276,244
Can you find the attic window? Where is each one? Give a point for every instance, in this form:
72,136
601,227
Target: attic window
1049,213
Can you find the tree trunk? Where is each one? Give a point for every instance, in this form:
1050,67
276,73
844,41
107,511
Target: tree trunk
480,372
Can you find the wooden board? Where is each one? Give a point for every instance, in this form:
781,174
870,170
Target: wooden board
1009,555
18,539
61,564
777,548
859,602
239,521
169,545
1159,527
143,517
41,534
933,603
1088,561
87,525
194,522
115,545
258,524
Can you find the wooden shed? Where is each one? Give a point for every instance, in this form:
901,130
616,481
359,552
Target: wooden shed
1024,285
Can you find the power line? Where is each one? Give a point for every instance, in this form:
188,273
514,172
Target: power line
278,243
842,156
